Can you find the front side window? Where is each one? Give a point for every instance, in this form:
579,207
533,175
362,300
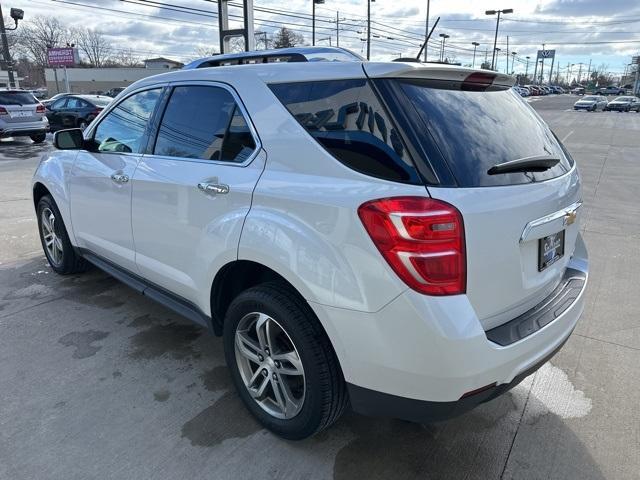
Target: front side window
204,123
123,128
59,104
348,120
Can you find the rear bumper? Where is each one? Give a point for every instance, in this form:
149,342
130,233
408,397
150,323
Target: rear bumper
419,357
378,404
23,130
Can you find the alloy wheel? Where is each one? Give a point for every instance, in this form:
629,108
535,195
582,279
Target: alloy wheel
270,365
52,242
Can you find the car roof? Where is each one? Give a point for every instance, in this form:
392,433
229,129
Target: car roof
280,55
287,72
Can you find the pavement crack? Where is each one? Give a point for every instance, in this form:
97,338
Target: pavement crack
607,341
513,441
30,307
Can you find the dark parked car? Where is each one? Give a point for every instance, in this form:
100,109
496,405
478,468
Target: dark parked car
75,110
611,90
114,92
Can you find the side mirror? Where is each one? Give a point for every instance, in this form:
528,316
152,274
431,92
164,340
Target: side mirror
71,139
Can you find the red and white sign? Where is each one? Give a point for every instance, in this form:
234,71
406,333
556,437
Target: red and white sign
62,57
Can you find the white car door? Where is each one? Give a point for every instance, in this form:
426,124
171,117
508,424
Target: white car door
192,193
100,186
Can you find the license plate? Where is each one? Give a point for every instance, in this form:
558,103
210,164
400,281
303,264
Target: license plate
20,113
550,250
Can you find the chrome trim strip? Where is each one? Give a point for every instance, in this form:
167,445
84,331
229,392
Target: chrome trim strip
571,209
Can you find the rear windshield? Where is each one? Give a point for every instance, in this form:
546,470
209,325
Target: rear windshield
17,98
475,130
100,102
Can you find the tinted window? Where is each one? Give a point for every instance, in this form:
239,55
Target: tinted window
475,130
17,98
123,128
75,103
346,118
204,122
58,104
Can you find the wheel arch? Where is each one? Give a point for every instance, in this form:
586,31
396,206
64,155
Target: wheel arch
235,277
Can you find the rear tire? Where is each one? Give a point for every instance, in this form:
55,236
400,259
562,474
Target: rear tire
39,138
320,396
55,241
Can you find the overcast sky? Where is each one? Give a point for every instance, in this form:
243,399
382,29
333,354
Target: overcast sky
605,31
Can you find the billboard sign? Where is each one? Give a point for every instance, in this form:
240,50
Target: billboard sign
544,54
62,57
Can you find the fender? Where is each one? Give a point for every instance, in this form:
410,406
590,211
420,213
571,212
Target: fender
53,172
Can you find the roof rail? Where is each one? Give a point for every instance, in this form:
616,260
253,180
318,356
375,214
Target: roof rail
284,55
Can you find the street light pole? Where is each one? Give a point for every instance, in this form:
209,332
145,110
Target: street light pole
16,14
313,20
496,51
475,45
495,40
513,62
444,36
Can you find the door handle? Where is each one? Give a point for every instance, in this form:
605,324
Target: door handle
213,188
119,177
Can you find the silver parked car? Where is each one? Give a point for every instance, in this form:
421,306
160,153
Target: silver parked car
590,103
22,115
624,104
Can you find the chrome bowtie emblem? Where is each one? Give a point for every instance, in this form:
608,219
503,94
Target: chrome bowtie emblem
569,218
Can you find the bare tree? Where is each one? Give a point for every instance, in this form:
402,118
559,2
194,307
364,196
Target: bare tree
93,44
285,38
39,34
124,58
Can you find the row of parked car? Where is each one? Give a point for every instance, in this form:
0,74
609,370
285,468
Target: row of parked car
23,115
529,90
592,103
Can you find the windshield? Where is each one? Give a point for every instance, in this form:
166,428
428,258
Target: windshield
591,99
17,98
623,99
475,130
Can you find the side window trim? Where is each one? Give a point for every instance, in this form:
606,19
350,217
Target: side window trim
162,107
90,134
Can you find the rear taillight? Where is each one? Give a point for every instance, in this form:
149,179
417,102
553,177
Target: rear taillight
422,239
40,109
3,111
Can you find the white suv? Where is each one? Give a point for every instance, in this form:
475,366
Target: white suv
379,234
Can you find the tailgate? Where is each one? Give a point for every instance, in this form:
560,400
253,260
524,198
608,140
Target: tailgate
503,228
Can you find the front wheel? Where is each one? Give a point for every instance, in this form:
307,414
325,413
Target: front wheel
38,138
55,240
282,363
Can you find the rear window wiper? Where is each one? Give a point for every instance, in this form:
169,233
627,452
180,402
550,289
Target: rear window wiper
537,163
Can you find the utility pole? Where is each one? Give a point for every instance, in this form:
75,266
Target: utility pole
368,28
475,45
507,53
526,69
495,40
337,29
589,72
426,32
513,62
580,72
542,66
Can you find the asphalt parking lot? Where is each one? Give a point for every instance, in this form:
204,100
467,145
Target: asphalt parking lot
97,382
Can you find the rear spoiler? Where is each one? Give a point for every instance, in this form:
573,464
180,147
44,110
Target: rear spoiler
437,72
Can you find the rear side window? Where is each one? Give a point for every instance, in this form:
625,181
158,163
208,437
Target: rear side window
347,119
475,130
17,98
205,123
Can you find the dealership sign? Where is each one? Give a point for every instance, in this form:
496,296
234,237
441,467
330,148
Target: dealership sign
544,54
62,57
